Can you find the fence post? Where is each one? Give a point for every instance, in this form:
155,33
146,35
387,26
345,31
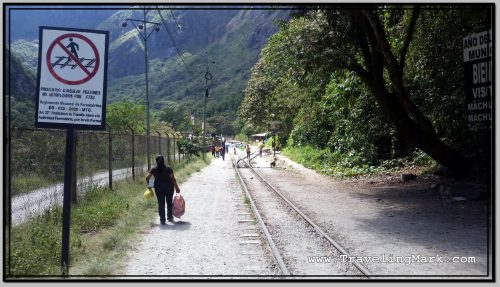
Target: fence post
133,155
7,179
110,158
179,149
174,145
159,142
168,148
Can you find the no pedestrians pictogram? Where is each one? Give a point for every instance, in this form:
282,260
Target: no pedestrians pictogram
71,78
75,60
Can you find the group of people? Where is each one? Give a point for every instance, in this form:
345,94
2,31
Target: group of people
261,145
218,151
165,182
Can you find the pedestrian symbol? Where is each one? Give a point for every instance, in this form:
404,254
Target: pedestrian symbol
76,58
72,46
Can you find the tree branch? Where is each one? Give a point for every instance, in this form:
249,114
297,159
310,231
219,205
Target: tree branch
359,36
382,44
396,72
409,34
362,73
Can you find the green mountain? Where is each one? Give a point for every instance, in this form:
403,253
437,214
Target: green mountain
228,41
20,87
27,52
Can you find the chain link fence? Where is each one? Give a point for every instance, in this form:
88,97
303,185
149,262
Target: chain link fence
37,157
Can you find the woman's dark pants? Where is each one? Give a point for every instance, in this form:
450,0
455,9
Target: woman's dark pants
164,195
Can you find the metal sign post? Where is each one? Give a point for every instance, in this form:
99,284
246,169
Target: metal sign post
66,216
71,94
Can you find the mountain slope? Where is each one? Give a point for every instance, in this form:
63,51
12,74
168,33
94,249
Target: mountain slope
20,88
230,46
228,40
27,53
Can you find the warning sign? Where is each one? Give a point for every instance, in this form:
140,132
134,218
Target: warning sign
72,70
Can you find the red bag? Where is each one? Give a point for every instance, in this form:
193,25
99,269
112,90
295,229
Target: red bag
179,205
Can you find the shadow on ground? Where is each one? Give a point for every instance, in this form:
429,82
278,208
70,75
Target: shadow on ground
421,216
178,225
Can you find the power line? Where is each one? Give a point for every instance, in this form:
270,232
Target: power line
177,25
170,35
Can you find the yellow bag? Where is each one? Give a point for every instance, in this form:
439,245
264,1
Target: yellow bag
149,193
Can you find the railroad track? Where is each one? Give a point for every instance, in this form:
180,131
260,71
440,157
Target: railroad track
275,250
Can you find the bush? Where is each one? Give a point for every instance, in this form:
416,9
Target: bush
344,122
190,148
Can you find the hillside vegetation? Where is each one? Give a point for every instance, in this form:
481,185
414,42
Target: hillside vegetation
354,88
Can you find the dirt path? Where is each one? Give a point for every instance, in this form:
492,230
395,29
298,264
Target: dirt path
394,223
389,221
213,238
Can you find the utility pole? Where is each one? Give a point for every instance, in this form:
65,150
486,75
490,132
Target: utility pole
142,27
148,131
208,77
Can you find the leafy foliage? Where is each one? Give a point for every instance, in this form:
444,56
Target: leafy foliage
313,76
229,43
435,70
192,148
177,116
229,40
126,115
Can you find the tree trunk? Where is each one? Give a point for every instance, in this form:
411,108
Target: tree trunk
401,147
367,34
415,134
411,124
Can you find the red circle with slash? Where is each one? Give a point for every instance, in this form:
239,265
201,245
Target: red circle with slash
89,74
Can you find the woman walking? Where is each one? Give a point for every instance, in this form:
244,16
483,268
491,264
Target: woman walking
164,184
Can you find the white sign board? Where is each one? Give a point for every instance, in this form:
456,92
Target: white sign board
478,51
478,46
72,71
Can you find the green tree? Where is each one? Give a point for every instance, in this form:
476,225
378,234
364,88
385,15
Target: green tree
377,54
401,54
177,116
126,115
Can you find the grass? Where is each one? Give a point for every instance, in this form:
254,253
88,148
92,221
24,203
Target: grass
335,164
104,224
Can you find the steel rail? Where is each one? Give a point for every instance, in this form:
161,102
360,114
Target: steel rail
337,246
272,245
